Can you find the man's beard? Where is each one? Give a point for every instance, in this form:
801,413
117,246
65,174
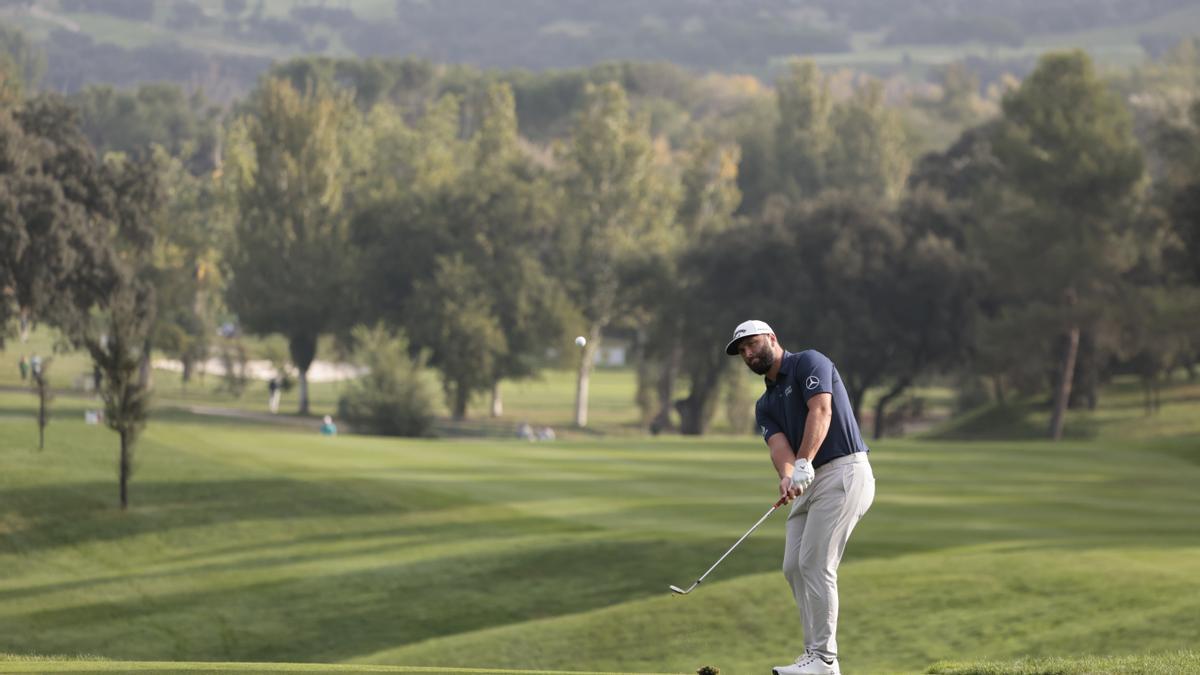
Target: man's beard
762,360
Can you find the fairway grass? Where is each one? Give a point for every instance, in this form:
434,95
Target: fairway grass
1156,664
257,544
18,664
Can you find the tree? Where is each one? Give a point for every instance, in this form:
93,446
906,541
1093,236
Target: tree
116,330
186,126
23,63
41,384
710,198
290,258
805,135
721,283
1067,149
405,169
618,205
854,145
490,294
870,155
53,202
1179,189
193,229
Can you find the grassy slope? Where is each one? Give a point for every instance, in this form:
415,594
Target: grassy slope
256,544
1111,45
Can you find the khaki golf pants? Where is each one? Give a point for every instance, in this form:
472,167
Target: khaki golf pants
818,528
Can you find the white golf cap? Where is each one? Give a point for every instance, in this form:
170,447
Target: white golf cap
746,329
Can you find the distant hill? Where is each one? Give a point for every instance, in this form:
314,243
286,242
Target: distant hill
224,45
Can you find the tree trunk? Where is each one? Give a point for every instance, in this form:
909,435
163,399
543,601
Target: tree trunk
497,401
1063,396
695,410
303,392
144,371
882,403
666,391
462,396
998,388
585,375
42,421
124,470
856,399
303,349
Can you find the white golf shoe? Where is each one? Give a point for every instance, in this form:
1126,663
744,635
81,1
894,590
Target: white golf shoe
809,664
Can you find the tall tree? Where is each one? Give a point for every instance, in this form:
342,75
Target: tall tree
54,200
805,135
710,198
22,64
490,294
116,329
618,205
1066,146
290,260
871,153
405,168
193,229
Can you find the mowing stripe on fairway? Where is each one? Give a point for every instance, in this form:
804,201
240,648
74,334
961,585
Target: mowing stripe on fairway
44,666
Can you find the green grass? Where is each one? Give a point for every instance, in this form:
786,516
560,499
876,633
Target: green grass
547,400
18,664
1116,46
1158,664
251,544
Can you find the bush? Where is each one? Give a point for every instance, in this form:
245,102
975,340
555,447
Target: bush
391,398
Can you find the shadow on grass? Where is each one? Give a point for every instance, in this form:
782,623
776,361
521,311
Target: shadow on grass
70,514
1011,422
338,616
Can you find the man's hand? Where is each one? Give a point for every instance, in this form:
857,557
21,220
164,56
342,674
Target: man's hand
787,490
802,475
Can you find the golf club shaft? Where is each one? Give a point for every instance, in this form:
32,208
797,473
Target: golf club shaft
739,541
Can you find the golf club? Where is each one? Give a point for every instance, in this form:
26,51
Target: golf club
766,515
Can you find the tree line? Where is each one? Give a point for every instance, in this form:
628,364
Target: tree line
1052,244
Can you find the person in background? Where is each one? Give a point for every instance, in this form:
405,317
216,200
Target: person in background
328,428
273,398
24,367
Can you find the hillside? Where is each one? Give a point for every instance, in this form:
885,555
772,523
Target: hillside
223,45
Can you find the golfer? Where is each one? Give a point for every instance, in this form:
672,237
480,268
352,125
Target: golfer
819,454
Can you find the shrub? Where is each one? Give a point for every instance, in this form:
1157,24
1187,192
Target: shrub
391,398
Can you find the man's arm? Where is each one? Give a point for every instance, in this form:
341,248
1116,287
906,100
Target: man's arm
783,458
820,414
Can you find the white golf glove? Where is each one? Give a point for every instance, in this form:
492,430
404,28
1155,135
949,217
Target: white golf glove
802,475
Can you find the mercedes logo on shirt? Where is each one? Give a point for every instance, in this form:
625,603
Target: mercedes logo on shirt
812,382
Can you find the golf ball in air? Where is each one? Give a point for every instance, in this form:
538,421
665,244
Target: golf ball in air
580,341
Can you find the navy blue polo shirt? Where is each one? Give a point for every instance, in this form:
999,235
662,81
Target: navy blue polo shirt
783,407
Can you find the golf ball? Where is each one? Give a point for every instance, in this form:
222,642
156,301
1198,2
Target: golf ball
580,341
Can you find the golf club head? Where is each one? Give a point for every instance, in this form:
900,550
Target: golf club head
680,591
